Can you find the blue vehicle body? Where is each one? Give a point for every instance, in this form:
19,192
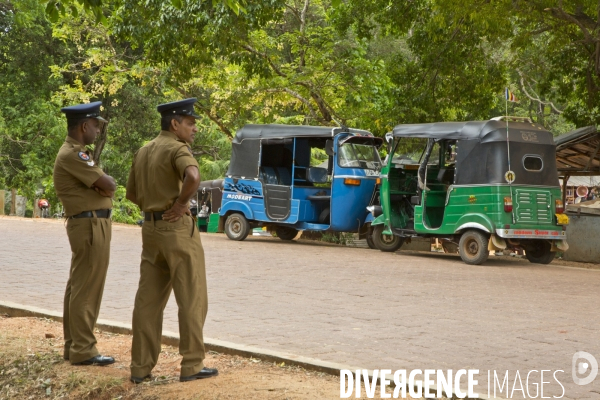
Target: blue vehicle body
280,189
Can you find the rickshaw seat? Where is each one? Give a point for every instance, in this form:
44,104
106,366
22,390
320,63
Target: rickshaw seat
276,176
285,176
318,198
268,175
446,175
316,175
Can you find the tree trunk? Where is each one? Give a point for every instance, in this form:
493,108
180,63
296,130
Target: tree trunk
13,201
99,144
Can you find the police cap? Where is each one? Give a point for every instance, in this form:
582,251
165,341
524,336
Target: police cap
82,111
180,107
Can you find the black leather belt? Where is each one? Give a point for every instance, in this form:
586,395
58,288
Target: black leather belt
90,214
157,215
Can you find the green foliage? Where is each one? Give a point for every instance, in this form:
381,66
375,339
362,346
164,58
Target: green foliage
56,9
124,211
370,64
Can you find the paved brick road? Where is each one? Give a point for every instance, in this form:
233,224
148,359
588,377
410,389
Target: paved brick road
352,306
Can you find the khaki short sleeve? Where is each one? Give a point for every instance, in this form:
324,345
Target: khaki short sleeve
84,170
183,158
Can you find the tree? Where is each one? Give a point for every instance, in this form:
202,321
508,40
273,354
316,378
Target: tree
465,53
30,129
279,62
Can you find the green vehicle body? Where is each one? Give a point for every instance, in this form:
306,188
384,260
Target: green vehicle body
210,194
445,208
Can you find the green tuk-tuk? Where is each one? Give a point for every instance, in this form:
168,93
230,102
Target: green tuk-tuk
208,201
483,185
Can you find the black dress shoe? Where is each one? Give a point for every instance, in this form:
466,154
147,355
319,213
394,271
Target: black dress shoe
202,374
98,360
138,380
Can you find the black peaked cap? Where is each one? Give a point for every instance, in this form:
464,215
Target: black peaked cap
180,107
81,111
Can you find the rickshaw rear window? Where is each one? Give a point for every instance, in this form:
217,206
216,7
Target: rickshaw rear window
532,163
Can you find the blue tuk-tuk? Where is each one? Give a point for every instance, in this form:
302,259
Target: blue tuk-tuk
275,180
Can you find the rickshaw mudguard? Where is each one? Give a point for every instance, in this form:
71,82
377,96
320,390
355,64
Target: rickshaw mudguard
381,221
376,221
237,206
475,221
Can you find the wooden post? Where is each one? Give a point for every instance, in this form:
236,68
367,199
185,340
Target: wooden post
564,191
37,212
2,202
13,202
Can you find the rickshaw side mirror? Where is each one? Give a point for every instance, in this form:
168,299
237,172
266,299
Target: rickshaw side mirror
329,147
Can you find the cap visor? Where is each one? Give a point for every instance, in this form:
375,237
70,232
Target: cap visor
195,116
101,119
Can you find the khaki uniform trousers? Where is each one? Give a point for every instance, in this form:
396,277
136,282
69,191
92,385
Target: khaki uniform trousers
90,244
172,258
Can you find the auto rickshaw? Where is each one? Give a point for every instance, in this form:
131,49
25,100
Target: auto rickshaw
208,202
483,185
291,178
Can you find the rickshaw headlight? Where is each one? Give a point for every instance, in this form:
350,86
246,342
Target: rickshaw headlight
559,206
350,181
507,204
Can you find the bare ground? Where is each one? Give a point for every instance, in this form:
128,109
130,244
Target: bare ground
31,367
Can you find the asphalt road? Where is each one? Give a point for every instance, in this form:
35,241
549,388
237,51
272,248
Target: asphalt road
360,307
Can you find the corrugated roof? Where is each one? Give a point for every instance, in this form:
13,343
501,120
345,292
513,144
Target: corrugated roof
578,152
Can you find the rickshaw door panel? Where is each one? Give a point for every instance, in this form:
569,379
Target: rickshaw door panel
278,201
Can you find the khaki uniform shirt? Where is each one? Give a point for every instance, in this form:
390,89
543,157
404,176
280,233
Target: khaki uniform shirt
157,172
74,175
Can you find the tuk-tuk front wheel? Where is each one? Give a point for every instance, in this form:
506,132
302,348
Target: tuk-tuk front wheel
388,243
285,233
538,252
237,227
473,247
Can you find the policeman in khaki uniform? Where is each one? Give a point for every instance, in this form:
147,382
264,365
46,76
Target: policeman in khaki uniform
163,178
85,192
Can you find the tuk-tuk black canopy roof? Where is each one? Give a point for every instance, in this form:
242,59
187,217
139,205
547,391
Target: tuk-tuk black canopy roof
274,131
484,131
483,156
246,145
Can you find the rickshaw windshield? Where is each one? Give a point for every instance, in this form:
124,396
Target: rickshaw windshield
352,155
412,150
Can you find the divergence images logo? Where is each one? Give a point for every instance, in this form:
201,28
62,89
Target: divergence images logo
581,367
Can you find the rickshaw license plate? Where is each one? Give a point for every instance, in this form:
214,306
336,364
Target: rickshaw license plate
531,233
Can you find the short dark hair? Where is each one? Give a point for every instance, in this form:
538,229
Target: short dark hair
165,122
72,124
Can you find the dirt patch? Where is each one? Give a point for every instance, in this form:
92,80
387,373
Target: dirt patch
31,367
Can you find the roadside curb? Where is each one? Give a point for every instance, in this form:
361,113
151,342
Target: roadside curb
172,339
220,346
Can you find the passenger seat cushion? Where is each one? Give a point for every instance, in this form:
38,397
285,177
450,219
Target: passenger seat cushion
285,176
316,175
268,175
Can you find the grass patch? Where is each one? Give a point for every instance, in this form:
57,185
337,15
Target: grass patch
34,376
22,376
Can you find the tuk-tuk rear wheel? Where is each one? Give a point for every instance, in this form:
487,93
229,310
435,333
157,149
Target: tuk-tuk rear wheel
538,252
237,227
387,243
370,241
473,247
285,233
